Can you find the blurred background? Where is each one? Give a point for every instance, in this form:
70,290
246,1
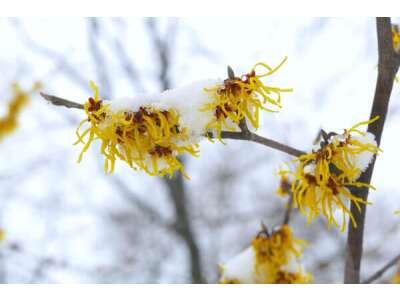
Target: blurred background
70,223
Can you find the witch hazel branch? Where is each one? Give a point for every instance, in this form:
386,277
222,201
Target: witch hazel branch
149,132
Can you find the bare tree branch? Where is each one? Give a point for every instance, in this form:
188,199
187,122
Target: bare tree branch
59,59
128,66
250,136
382,270
61,102
388,66
288,210
98,58
144,207
176,186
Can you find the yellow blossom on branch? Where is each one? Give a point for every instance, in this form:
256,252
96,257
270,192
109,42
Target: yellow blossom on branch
242,98
396,37
20,98
284,185
148,139
322,179
272,258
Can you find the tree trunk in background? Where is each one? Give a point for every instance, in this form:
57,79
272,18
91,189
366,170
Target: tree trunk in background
178,195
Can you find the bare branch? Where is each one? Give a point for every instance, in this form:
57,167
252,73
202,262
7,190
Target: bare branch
148,210
61,102
387,68
382,270
288,211
250,136
59,59
128,66
98,57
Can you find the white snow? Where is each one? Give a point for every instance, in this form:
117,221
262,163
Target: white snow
363,159
240,267
186,100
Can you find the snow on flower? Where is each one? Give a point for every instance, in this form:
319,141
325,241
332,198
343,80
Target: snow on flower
147,135
322,178
272,258
9,122
237,98
150,131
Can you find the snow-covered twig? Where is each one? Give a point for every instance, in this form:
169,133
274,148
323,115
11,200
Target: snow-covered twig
245,134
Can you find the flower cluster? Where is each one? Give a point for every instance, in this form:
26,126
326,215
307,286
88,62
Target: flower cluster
148,138
9,122
322,179
242,98
272,258
150,131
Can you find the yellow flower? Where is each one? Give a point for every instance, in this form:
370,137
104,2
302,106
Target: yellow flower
322,178
396,37
242,98
2,235
284,185
396,278
272,258
9,122
149,139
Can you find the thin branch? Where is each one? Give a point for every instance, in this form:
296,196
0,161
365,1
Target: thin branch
98,57
382,270
250,136
388,66
60,60
147,210
288,210
176,185
128,66
61,102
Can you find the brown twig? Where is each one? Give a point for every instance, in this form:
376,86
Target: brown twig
388,66
61,102
250,136
382,270
288,210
